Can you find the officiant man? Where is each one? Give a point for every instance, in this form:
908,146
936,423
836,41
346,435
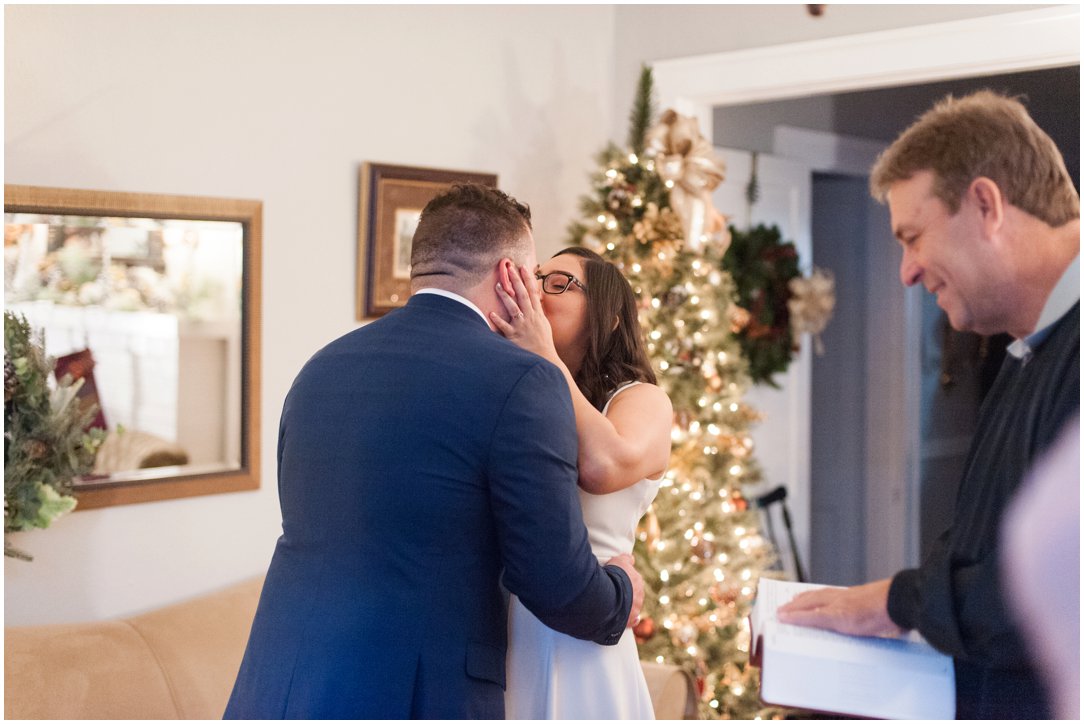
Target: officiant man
989,222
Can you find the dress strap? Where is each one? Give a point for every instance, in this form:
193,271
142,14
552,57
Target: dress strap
620,388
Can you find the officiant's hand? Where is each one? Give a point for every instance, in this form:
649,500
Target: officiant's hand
859,610
625,563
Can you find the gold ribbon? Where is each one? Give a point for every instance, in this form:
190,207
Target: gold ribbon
687,160
812,302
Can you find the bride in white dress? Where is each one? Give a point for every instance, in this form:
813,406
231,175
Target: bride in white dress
585,322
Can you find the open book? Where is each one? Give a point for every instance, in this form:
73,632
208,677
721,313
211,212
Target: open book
809,668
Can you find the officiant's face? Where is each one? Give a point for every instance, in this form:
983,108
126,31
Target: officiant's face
567,311
946,253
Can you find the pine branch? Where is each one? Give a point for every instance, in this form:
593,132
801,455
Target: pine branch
642,110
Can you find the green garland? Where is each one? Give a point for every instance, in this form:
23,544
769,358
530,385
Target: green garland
46,444
762,265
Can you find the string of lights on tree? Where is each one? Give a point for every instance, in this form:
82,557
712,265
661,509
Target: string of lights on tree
699,548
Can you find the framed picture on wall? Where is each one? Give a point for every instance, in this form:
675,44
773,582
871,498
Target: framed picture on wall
390,202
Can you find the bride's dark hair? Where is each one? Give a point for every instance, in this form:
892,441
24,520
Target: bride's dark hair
615,353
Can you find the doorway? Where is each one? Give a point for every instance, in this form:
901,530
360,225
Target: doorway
859,442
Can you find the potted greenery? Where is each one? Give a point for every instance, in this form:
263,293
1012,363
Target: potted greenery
47,438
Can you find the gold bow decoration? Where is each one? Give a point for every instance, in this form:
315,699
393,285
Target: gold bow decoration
812,301
686,162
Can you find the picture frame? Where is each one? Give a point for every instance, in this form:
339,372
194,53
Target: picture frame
390,202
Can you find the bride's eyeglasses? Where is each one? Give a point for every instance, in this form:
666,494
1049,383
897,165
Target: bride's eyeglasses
557,282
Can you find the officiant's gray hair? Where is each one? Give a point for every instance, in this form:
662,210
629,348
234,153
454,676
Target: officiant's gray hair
465,231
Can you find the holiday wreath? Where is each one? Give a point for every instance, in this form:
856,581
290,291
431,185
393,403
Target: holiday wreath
762,266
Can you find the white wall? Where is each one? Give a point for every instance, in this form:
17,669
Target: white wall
280,104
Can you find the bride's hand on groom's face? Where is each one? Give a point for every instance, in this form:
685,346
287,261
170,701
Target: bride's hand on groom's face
527,325
626,563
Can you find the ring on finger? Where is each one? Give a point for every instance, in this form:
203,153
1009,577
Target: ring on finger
519,315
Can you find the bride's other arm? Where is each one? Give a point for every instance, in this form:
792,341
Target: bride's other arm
631,442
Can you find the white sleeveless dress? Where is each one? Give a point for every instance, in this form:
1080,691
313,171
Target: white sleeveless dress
553,676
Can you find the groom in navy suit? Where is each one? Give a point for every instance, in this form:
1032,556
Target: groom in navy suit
424,460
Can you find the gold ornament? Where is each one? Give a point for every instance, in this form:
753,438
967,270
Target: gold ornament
739,318
724,594
686,634
651,528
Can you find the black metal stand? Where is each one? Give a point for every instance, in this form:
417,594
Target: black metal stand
779,495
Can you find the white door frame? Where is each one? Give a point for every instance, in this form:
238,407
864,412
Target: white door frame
993,44
1003,43
781,441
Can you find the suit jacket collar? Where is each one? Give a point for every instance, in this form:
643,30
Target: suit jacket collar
446,305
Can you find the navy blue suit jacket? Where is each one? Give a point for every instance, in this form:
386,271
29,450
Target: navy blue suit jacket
421,458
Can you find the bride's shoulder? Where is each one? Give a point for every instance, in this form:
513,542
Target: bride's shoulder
641,394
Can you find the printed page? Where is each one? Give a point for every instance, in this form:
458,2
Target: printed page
772,593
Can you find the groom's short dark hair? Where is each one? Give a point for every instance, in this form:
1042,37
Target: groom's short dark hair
465,230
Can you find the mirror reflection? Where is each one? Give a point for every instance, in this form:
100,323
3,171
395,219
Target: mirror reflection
148,312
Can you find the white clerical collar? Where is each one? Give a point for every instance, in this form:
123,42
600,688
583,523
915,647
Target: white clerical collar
456,297
1065,294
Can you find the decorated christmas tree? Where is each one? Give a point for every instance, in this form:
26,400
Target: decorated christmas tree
699,548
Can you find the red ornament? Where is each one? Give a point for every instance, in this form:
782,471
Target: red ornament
704,549
644,630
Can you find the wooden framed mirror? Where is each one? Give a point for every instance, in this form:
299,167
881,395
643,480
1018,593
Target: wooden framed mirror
154,301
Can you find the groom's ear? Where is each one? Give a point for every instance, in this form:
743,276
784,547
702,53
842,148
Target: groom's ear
505,268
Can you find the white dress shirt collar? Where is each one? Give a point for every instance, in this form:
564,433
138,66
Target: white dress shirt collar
456,297
1065,294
